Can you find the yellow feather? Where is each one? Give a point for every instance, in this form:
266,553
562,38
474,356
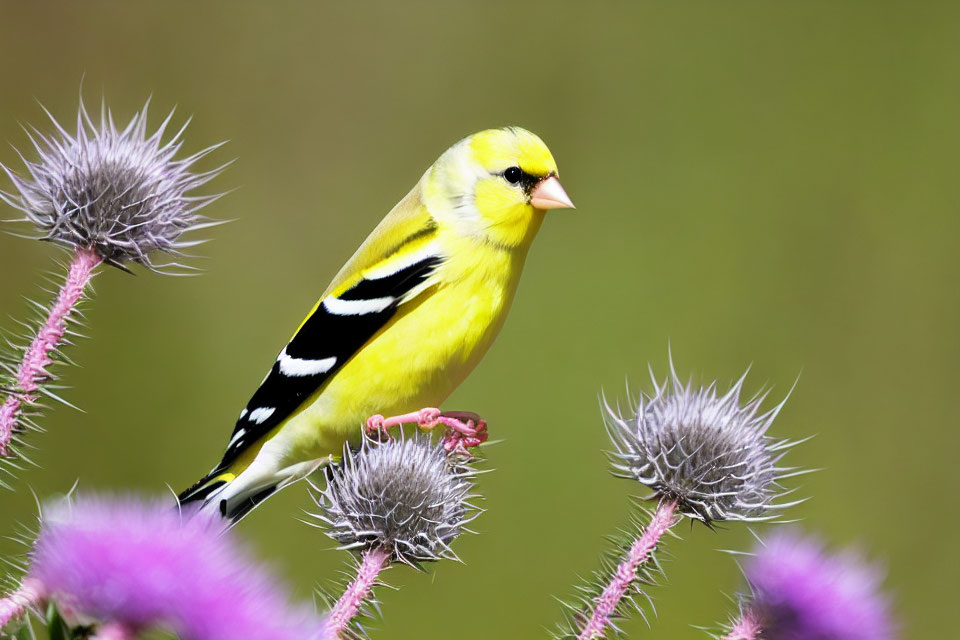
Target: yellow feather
419,358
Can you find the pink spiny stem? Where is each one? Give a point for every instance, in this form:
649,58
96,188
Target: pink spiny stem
747,628
639,553
17,603
347,607
32,371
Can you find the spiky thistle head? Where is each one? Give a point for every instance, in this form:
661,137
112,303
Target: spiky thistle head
707,452
405,496
799,591
120,192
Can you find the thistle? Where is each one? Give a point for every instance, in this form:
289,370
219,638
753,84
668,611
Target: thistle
109,195
396,501
119,194
132,565
710,455
701,455
798,591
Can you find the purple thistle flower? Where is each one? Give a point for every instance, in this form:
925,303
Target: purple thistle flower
119,192
801,592
138,565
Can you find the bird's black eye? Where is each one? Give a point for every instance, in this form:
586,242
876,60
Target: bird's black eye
513,175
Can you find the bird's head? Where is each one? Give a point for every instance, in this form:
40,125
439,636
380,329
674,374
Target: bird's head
495,185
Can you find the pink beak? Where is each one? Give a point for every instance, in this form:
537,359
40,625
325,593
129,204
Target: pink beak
549,194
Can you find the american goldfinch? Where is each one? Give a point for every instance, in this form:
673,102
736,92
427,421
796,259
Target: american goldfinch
403,322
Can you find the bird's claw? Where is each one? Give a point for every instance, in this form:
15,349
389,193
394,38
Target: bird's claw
376,428
465,430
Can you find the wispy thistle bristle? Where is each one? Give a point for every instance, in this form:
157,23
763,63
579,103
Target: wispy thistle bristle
799,591
709,453
13,568
120,192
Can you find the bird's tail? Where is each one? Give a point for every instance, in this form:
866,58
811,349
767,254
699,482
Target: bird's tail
207,488
236,495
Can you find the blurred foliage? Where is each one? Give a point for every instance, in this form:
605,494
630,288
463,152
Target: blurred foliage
765,183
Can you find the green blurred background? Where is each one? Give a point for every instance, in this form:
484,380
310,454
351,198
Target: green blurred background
765,183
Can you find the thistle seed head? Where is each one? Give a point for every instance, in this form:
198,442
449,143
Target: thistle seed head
707,452
406,496
120,192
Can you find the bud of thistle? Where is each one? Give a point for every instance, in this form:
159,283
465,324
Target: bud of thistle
120,193
708,453
703,456
114,196
395,501
406,496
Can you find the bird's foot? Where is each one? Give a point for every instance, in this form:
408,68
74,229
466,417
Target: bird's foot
464,429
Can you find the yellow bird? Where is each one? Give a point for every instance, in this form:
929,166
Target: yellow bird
403,323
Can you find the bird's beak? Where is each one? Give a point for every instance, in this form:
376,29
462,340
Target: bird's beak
549,194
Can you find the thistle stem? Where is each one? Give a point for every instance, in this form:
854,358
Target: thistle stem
16,604
32,371
747,627
639,553
374,561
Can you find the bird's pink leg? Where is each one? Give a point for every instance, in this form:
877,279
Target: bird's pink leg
379,425
464,429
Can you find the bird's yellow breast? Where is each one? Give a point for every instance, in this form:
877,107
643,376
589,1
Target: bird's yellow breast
416,360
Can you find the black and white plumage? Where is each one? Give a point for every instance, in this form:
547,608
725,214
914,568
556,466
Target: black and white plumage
337,327
330,335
